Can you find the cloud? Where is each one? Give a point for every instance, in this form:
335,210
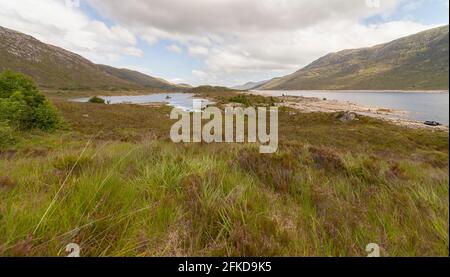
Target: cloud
257,37
133,51
195,17
177,81
174,48
230,40
198,50
51,21
199,74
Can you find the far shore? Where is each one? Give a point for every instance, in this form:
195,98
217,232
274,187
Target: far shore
344,90
314,104
302,103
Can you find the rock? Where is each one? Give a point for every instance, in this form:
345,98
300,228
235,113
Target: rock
85,115
348,117
432,123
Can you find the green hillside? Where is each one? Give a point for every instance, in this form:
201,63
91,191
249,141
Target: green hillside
417,62
54,67
136,77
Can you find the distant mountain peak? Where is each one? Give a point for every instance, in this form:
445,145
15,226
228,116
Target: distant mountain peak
251,85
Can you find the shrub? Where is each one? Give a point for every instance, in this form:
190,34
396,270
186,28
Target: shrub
254,100
97,100
241,99
276,171
24,106
6,136
327,159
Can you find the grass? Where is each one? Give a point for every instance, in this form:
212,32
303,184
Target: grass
114,183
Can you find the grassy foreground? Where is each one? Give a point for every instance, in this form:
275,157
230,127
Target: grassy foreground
114,183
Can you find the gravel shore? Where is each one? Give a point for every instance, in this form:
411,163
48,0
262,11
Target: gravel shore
309,104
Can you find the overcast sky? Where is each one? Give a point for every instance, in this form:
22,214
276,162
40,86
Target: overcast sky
220,42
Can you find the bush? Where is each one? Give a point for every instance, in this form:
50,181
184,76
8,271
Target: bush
241,99
6,136
23,106
254,100
97,100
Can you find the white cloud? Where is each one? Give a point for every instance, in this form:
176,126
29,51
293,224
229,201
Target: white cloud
177,81
198,50
174,48
235,40
51,21
199,74
257,37
133,51
195,17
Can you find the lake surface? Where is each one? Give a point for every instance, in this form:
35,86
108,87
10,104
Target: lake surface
183,101
421,106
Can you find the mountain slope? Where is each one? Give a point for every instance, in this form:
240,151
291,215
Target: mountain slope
136,77
415,62
251,85
54,67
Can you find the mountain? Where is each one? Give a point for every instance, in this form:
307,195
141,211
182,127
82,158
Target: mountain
136,77
56,68
250,85
267,82
183,85
417,62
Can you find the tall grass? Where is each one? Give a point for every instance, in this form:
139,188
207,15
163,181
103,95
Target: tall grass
159,199
326,192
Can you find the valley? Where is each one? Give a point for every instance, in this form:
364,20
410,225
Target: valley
109,178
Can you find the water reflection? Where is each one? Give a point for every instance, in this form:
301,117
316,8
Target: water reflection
183,101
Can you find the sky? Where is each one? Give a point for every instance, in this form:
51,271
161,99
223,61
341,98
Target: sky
218,42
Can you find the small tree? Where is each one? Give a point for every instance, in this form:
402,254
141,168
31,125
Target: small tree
23,106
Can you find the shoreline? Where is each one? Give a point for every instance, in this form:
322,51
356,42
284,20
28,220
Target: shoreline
315,104
354,91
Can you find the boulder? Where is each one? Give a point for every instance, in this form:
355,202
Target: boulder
348,117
